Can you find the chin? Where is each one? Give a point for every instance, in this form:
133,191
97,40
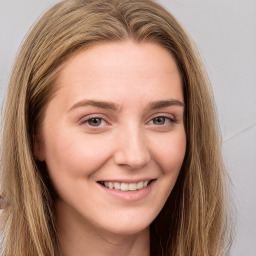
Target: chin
128,224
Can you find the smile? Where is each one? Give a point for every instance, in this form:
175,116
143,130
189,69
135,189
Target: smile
126,186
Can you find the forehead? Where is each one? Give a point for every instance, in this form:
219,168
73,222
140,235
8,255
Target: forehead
126,67
126,55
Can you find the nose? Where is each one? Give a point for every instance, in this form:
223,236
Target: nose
132,149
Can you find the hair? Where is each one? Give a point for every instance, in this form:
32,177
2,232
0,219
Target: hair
195,218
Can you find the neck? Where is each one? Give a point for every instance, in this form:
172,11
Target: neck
79,237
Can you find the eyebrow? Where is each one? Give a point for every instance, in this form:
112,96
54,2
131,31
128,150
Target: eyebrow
164,103
95,103
115,107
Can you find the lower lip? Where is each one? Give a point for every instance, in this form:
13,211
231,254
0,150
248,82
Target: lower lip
130,196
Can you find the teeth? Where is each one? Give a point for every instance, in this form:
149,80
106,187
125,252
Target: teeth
145,183
132,186
140,185
117,185
126,186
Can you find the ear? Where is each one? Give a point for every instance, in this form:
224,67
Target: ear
38,147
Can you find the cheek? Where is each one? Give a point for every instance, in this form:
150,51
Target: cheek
170,152
74,155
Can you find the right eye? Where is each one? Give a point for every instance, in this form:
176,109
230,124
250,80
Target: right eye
94,123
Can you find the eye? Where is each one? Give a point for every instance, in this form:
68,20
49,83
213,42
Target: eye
162,120
159,120
96,122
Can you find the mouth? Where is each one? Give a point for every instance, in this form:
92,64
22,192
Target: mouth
125,186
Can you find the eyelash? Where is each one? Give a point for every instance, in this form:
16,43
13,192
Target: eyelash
167,121
90,118
166,118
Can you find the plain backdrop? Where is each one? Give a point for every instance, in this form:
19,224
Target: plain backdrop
225,32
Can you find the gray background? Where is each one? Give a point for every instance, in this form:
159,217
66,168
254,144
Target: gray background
225,32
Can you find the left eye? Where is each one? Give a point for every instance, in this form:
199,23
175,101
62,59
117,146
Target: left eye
95,122
161,120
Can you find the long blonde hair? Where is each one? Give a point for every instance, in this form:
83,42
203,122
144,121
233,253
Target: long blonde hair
194,220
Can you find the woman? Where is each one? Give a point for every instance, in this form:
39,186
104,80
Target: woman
110,144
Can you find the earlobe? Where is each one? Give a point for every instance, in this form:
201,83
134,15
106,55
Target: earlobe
38,148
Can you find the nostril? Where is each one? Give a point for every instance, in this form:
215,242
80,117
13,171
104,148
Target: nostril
132,150
132,161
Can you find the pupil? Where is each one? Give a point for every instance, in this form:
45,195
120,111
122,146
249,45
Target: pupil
159,120
95,122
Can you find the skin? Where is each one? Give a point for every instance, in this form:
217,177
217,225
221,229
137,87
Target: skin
131,138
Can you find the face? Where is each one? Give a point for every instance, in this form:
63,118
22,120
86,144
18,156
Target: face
113,136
